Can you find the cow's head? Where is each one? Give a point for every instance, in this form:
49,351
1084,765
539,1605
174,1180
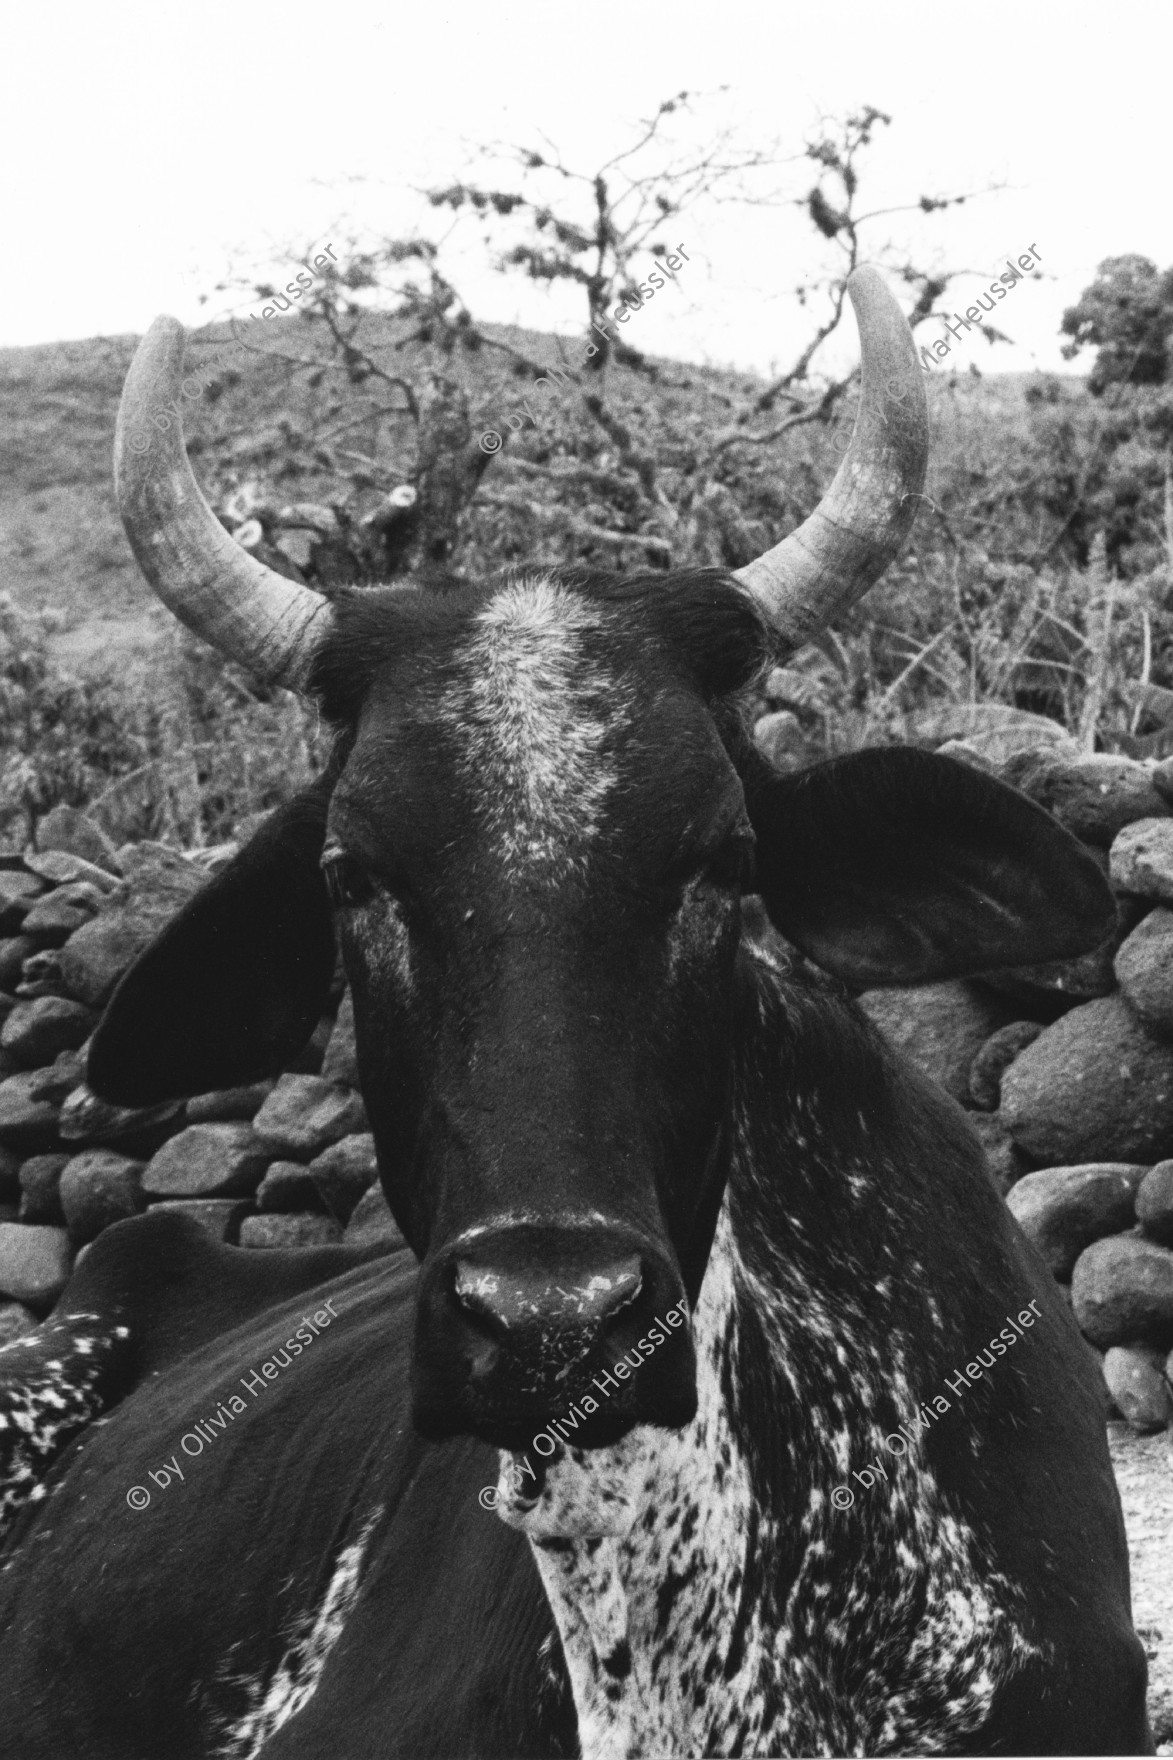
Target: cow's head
533,843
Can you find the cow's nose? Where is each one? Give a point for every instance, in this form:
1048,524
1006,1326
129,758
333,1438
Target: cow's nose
511,1301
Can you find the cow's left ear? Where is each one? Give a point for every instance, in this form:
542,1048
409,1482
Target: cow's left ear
900,867
233,987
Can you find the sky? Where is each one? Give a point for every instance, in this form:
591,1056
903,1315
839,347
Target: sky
148,150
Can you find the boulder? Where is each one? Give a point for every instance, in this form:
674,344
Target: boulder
942,1027
1142,859
40,1189
207,1161
226,1104
34,1264
305,1114
61,869
1144,969
36,1031
343,1172
17,891
219,1217
996,1056
86,1119
1095,795
372,1221
779,738
1093,1087
995,731
287,1186
14,950
16,1321
1006,1162
1122,1292
340,1063
309,1059
1135,1379
285,1230
73,833
1062,1210
1154,1203
94,959
57,1081
52,920
97,1188
26,1123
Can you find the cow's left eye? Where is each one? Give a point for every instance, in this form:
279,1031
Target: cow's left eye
347,881
734,863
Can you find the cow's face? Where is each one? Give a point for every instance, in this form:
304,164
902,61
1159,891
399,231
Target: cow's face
532,843
536,849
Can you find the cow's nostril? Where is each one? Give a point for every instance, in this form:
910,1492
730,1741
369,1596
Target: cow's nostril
513,1300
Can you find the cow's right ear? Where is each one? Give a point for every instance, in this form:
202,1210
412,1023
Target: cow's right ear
231,989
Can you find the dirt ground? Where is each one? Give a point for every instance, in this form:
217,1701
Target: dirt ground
1144,1473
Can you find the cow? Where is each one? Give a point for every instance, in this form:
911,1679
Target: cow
716,1405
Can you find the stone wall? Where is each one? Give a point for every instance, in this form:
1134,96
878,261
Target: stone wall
1068,1069
281,1163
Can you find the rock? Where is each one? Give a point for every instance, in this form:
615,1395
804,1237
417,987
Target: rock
1135,1379
942,1027
995,1056
287,1186
17,892
340,1063
1122,1292
40,1182
372,1221
1154,1203
967,753
52,920
99,1187
65,870
34,1264
343,1172
60,1079
14,950
1095,795
228,1103
74,834
994,730
41,975
16,1321
301,1230
36,1031
1093,1087
207,1161
779,738
1062,1210
1144,968
94,959
219,1217
25,1123
304,1115
1141,859
137,1129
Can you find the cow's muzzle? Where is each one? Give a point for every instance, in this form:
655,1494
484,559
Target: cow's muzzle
519,1328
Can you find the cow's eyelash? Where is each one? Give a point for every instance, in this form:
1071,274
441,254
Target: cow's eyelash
348,882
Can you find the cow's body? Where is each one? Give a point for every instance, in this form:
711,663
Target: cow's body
321,1559
693,1246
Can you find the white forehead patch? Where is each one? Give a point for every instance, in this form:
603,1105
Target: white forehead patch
535,710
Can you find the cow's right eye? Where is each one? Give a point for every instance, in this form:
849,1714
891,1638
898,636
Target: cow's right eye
347,881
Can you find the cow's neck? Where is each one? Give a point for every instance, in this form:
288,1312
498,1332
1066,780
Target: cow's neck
710,1596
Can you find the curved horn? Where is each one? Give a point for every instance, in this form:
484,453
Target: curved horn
845,545
250,612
